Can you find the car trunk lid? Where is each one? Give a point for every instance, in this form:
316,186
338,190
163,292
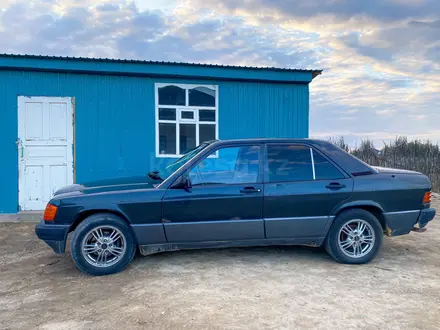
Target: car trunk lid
388,170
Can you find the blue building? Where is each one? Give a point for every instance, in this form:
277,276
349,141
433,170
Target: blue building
66,120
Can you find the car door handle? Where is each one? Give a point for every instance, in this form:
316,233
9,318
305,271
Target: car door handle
250,190
335,185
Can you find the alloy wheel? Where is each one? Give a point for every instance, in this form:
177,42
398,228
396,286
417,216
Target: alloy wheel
356,238
103,246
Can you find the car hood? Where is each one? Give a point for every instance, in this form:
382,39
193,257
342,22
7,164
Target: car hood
125,183
388,170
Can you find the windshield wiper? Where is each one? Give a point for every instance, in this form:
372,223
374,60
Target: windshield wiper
155,175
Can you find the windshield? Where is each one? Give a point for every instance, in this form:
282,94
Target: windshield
164,173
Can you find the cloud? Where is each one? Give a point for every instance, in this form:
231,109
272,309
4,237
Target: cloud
385,112
380,58
433,54
353,40
107,7
342,10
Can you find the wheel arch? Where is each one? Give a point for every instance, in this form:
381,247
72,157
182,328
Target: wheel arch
88,212
369,206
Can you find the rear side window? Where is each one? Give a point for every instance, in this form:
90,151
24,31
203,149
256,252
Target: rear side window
324,170
287,163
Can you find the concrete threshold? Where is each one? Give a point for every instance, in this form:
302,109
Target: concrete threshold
26,216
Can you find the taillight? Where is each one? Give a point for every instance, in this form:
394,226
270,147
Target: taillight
427,197
50,212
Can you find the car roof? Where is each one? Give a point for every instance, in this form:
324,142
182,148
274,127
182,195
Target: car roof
315,142
267,140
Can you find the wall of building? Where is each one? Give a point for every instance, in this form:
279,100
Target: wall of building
115,120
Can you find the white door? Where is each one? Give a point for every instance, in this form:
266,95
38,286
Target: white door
45,148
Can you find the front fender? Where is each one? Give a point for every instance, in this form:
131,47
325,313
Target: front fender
104,208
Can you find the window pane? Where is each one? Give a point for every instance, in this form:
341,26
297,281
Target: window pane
187,115
324,170
171,95
187,137
206,132
202,96
167,139
206,115
289,163
236,165
167,114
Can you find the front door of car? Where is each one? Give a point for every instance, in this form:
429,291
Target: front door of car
301,188
224,202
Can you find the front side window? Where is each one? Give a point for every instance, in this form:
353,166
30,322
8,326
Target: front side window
164,173
233,165
186,116
291,163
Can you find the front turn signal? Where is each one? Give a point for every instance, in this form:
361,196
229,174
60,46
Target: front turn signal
427,197
50,212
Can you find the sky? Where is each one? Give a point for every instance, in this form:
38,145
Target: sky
381,58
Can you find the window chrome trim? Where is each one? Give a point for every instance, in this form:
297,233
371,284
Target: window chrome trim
313,164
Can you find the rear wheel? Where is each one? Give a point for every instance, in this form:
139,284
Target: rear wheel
355,237
102,244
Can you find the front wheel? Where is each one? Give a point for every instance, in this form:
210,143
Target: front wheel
102,244
355,237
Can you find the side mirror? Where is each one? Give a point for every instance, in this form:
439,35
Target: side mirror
187,183
183,182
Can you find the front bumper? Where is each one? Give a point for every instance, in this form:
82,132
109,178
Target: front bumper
53,235
401,223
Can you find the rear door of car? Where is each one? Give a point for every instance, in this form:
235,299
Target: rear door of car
224,202
301,187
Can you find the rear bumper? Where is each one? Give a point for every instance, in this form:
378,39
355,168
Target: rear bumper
53,235
425,216
401,223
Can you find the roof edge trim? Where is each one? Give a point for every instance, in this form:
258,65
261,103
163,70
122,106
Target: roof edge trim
132,67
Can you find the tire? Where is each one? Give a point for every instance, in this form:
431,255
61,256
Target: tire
104,255
340,237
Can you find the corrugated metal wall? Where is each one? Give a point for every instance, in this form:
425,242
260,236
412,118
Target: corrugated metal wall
115,120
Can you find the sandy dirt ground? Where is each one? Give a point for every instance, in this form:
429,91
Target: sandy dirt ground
248,288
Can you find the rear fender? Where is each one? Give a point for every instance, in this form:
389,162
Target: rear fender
352,204
355,204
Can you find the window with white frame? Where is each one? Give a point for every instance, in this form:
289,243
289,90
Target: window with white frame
186,116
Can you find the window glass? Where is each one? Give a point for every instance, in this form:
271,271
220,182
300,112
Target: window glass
206,115
187,137
167,138
187,114
234,165
206,132
167,114
167,171
171,95
289,163
202,96
324,170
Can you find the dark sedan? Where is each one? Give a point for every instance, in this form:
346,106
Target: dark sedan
240,193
